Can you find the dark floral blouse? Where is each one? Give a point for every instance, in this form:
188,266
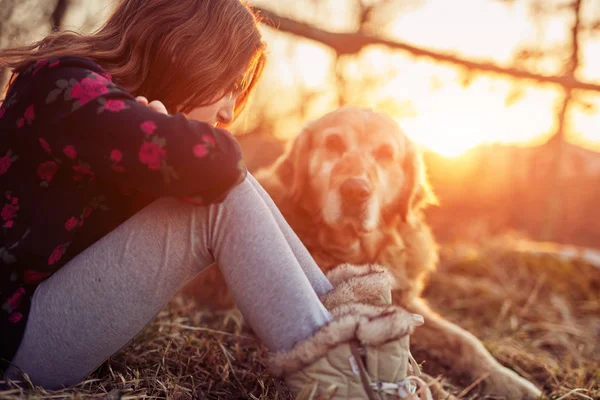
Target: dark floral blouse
78,156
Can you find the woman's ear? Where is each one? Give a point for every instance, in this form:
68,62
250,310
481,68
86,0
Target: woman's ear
417,192
292,167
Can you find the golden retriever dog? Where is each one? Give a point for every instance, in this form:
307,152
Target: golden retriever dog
353,187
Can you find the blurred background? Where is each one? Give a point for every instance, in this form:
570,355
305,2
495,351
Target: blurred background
503,96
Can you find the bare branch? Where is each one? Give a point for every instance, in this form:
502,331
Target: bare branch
352,43
58,14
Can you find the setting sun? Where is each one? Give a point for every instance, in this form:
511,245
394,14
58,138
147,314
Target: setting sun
453,120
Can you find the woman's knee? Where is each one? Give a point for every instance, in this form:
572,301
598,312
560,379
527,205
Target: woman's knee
245,203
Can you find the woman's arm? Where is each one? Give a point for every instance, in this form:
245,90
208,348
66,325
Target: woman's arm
95,128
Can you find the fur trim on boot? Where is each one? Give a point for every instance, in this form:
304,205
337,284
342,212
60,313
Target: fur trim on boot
363,353
371,284
368,324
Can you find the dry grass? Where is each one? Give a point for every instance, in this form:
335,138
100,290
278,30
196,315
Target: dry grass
537,314
183,353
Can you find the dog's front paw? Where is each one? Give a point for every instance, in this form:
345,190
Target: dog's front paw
507,383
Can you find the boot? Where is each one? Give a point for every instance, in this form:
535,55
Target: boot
363,353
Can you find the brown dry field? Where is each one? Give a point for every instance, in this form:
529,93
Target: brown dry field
537,314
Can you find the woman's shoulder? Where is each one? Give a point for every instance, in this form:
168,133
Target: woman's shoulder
51,89
63,64
49,68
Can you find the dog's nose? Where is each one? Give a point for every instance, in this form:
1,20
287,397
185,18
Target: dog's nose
357,189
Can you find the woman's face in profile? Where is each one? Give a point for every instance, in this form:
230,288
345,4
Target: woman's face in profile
220,112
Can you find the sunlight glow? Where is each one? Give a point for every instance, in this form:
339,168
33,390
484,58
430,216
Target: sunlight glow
453,120
450,118
314,62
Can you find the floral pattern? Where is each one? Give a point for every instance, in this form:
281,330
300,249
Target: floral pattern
9,211
111,105
46,171
45,145
202,149
77,176
152,152
6,161
148,127
116,157
70,152
82,92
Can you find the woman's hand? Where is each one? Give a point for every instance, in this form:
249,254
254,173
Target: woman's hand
155,105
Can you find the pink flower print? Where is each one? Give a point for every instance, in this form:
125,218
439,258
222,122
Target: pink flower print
114,105
209,140
15,200
9,211
99,77
70,152
80,172
29,114
47,170
15,317
87,211
200,150
40,64
45,145
148,126
88,89
116,155
152,155
20,123
30,276
14,300
2,111
9,223
56,255
71,223
5,163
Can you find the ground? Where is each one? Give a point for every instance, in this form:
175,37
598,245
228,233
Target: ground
537,314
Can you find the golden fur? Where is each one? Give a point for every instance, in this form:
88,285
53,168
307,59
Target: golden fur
353,187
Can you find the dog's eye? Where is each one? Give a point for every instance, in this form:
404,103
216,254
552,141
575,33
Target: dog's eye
384,153
335,144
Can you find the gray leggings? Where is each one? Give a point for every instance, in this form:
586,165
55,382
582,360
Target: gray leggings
95,304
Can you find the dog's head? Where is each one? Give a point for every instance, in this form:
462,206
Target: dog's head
356,171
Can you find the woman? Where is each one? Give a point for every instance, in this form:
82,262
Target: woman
98,229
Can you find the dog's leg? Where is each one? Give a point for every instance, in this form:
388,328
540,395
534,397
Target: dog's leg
465,355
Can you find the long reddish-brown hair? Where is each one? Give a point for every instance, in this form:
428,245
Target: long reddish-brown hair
185,53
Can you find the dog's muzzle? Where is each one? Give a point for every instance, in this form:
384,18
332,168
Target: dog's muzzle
355,192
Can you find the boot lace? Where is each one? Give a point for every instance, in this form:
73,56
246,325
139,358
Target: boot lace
409,388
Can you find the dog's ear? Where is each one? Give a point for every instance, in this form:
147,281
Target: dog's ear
292,167
417,192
